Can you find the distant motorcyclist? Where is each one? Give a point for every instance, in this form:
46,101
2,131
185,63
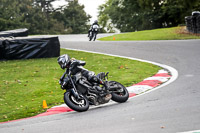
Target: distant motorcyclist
95,23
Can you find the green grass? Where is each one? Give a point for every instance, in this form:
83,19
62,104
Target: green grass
24,84
175,33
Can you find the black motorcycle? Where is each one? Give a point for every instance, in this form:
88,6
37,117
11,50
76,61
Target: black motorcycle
80,93
93,32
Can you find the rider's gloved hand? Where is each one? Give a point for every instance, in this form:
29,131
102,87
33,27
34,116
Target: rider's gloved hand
60,82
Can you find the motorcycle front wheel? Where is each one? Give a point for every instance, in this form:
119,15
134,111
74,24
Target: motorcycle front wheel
90,38
95,36
120,93
76,104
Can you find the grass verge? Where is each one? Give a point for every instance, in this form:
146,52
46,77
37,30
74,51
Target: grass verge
175,33
24,84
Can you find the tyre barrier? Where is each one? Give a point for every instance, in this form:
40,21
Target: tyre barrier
29,48
193,22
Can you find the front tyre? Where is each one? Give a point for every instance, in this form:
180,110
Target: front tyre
79,105
91,36
95,36
119,92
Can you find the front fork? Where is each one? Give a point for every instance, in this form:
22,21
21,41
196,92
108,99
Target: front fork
74,90
106,83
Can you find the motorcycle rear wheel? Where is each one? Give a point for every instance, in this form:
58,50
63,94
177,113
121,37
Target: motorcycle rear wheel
79,105
119,95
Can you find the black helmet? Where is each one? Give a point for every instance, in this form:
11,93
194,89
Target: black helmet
64,61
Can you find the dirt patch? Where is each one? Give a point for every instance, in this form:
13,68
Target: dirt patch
183,30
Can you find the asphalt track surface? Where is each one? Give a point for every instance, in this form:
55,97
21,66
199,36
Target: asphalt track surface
170,109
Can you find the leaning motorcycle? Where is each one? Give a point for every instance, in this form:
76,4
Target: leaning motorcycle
80,93
93,33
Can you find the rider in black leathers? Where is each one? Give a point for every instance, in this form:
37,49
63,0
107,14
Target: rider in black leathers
76,66
95,23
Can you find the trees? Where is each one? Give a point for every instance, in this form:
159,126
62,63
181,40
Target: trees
13,14
75,18
40,17
174,11
133,15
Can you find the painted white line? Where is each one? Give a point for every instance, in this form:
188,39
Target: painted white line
195,131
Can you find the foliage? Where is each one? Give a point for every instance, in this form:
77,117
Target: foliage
75,18
10,18
135,15
40,17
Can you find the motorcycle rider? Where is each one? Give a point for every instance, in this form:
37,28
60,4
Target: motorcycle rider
95,23
76,66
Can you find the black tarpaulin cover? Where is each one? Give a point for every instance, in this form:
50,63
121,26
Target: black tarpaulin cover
14,33
29,48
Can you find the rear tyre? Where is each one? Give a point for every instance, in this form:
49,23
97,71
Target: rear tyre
79,105
120,94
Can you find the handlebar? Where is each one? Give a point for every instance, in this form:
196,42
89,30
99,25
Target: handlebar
106,75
